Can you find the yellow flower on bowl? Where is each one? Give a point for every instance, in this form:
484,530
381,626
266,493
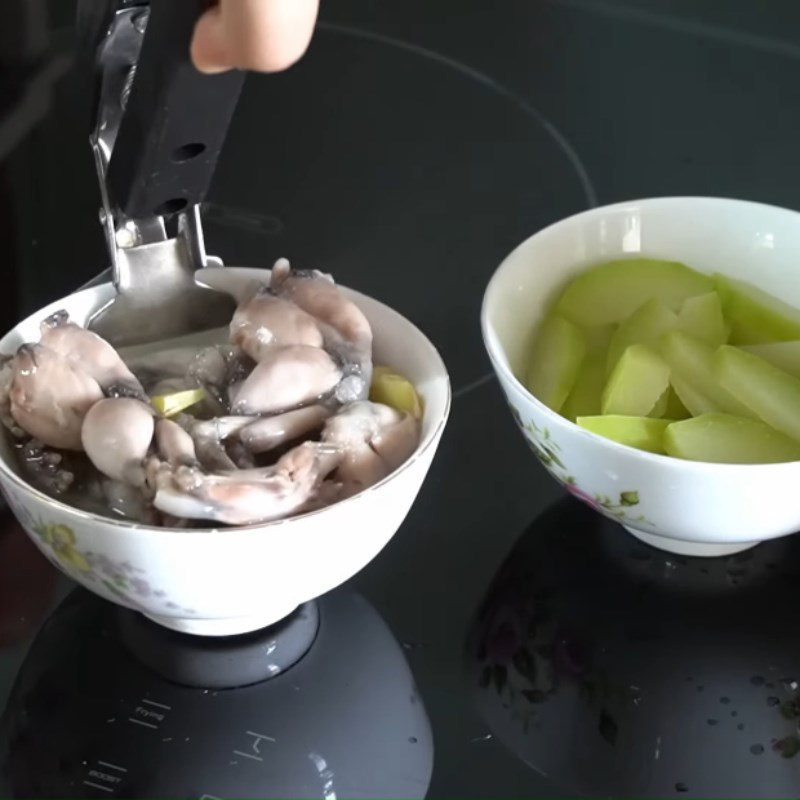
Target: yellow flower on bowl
61,539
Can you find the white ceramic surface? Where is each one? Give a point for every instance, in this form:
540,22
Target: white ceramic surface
231,580
684,507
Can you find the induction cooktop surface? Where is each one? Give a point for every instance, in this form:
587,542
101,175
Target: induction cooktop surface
511,642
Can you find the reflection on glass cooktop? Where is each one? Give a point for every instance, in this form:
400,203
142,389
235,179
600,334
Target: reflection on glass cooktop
623,671
345,720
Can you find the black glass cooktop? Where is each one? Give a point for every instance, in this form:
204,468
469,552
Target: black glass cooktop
412,148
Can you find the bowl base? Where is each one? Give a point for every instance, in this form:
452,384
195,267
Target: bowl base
681,547
223,626
221,662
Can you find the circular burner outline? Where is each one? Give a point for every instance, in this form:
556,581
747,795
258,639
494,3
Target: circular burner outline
487,82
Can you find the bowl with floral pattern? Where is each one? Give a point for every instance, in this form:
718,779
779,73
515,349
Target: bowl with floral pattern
230,580
685,507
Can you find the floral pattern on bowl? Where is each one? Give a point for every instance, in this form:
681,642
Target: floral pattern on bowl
61,541
122,579
59,544
547,450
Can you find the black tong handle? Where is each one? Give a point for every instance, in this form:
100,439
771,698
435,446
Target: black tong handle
175,120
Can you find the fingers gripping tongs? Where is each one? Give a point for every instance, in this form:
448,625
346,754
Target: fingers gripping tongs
159,126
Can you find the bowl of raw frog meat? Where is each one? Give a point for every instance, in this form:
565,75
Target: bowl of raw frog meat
649,352
218,481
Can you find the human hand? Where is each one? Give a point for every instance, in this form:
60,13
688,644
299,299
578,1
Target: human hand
259,35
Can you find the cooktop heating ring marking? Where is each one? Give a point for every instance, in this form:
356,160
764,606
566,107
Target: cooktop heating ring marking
485,80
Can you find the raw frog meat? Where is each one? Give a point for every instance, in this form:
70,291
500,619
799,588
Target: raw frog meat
271,419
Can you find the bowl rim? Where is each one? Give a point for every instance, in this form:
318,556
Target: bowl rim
500,363
124,526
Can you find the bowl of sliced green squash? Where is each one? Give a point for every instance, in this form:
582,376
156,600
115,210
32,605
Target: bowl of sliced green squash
650,355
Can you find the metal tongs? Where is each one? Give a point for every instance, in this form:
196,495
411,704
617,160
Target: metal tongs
159,127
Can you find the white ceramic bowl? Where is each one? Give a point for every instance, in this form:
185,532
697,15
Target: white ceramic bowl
231,580
684,507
